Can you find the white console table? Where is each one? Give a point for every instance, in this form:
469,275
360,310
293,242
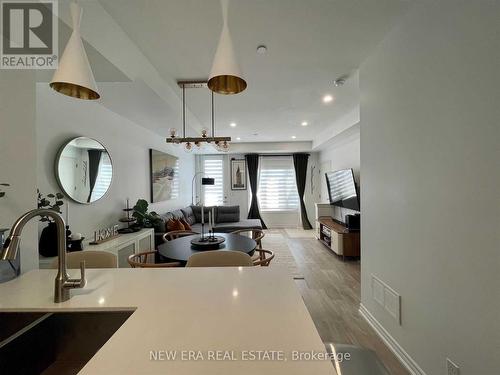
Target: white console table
122,246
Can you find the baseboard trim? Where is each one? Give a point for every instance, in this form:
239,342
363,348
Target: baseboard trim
391,343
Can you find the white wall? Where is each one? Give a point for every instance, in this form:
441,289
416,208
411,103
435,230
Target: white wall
60,118
430,162
17,157
342,152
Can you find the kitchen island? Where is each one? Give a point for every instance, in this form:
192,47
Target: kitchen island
245,320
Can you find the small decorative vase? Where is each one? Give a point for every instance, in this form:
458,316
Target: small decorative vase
47,245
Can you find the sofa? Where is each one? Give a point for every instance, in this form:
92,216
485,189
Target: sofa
227,219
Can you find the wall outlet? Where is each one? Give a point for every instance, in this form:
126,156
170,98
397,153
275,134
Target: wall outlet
452,368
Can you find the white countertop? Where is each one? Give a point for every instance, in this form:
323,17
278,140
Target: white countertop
198,309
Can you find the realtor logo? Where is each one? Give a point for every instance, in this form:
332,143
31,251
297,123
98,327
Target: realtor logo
29,35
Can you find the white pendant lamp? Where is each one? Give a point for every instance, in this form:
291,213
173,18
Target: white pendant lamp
225,77
74,76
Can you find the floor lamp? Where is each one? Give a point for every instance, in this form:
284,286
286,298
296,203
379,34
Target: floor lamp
204,181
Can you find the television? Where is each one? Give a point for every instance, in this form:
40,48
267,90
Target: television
342,189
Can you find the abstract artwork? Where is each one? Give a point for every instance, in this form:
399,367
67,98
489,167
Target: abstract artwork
163,175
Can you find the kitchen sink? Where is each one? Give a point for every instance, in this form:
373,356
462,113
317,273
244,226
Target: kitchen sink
54,343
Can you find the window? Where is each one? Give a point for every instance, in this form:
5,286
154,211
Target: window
277,187
175,182
213,167
104,176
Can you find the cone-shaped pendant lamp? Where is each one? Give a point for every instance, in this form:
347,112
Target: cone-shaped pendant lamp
74,76
225,77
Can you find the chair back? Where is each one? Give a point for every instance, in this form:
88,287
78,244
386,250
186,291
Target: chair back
219,258
264,257
174,234
146,259
255,234
92,258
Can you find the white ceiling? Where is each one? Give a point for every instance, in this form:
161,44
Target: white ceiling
310,43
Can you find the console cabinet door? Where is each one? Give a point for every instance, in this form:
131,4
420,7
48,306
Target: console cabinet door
336,245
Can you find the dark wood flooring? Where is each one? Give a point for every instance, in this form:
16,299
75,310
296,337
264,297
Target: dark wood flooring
332,291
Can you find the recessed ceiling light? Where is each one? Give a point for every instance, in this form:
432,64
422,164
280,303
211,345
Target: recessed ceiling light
262,49
293,137
238,138
327,99
339,82
304,123
233,124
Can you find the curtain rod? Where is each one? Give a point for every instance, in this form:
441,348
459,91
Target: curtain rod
271,155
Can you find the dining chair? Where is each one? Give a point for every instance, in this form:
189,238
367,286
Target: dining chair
92,258
263,258
174,234
255,234
219,258
143,260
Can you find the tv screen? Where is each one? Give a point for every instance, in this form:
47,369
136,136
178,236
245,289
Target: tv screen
342,189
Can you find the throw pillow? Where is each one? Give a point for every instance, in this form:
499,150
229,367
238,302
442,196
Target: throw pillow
228,214
174,224
197,212
185,224
189,215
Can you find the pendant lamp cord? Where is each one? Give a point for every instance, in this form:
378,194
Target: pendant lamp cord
213,115
183,111
225,5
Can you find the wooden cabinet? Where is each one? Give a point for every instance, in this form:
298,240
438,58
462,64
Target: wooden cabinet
337,237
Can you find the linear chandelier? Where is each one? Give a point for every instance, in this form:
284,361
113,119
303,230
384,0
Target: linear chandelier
219,143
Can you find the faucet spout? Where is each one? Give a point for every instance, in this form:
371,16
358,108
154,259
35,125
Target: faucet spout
63,283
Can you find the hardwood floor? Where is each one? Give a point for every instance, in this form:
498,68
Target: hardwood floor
331,291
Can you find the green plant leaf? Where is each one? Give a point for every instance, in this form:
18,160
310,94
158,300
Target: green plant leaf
51,196
2,194
59,196
59,203
4,184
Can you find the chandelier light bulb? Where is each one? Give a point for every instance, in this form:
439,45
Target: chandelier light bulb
173,131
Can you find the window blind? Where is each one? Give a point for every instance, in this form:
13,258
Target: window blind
213,167
277,190
104,176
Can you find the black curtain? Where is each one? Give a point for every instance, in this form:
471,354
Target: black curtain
94,161
253,171
300,164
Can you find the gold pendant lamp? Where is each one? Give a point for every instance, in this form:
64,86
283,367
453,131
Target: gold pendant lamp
74,75
225,76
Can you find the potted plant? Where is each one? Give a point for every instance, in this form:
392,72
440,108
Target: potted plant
47,245
144,218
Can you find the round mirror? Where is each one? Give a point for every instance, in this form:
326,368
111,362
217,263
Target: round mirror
84,170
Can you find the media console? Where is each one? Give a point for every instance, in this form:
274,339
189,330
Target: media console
337,237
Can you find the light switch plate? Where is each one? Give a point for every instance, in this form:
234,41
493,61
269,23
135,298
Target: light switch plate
378,290
392,303
387,297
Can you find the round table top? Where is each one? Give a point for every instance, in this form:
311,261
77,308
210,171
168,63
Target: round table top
181,249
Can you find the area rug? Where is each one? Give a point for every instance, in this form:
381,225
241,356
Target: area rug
282,255
299,233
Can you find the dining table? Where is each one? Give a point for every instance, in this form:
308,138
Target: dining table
180,249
